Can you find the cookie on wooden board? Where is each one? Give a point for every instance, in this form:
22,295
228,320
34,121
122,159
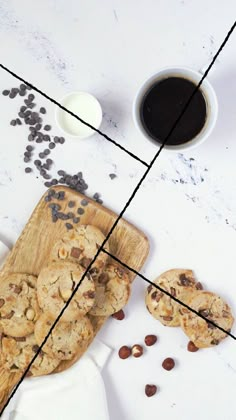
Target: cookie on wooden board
80,246
66,339
17,353
112,291
19,307
179,283
55,285
200,332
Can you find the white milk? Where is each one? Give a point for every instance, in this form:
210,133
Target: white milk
84,106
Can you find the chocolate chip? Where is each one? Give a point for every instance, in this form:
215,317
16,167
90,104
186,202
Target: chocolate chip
173,291
47,127
103,278
112,176
13,123
2,301
5,92
28,170
84,202
214,342
41,155
31,97
89,295
49,161
47,184
204,312
70,215
75,252
120,315
167,318
15,288
54,181
150,390
22,93
76,220
184,280
12,94
31,105
191,347
211,326
71,204
20,339
199,286
38,127
168,364
56,140
23,86
96,196
69,226
42,110
52,146
80,210
85,262
29,148
61,195
26,159
61,173
154,295
61,140
37,162
124,352
35,348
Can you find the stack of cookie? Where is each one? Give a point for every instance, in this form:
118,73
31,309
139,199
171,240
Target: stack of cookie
29,306
181,284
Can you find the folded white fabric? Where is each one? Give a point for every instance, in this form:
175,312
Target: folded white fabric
77,393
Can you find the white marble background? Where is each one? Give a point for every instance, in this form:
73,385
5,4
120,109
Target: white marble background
187,204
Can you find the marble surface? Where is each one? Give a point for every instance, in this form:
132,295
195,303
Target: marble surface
186,205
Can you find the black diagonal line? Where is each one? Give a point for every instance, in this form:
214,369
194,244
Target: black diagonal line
167,293
74,115
111,230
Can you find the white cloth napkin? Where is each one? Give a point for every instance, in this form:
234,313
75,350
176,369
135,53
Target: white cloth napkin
77,393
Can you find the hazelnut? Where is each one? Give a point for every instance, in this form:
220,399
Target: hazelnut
65,294
62,253
168,363
137,350
191,347
150,340
124,352
150,390
119,315
30,314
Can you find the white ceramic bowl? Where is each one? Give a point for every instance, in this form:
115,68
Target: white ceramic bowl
207,90
85,106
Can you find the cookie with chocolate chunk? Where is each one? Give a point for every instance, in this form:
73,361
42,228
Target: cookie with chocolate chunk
66,339
179,283
112,291
19,308
17,353
201,331
80,246
55,286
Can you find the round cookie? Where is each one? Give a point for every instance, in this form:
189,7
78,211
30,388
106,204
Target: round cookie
55,286
80,246
19,308
17,353
179,283
66,339
112,291
200,332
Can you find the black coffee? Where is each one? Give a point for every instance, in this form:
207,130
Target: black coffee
162,106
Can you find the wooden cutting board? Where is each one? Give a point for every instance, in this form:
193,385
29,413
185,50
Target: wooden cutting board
31,252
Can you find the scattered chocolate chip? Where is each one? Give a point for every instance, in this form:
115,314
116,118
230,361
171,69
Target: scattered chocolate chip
150,390
71,204
84,202
54,181
28,170
124,352
47,127
51,145
61,140
47,184
120,315
150,340
42,110
22,93
61,173
103,278
168,364
76,220
26,159
49,161
112,176
69,226
37,162
31,97
13,123
5,92
41,155
191,347
80,211
70,215
85,262
35,348
31,137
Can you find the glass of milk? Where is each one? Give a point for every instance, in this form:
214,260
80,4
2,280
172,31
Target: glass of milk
83,105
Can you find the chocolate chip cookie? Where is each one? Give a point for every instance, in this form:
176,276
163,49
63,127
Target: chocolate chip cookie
55,285
200,332
66,338
112,291
17,353
179,283
19,308
80,246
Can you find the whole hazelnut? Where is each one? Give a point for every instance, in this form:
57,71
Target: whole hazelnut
191,347
30,314
168,363
150,339
124,352
137,350
119,315
150,390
